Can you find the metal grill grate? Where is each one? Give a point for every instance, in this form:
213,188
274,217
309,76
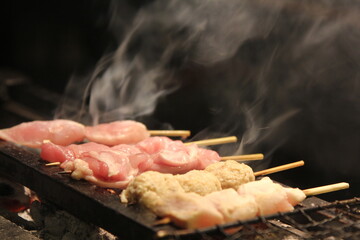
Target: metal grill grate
337,220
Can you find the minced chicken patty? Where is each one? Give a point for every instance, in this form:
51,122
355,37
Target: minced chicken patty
231,174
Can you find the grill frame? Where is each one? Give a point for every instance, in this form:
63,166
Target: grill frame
100,207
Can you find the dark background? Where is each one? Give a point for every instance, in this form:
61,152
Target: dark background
48,41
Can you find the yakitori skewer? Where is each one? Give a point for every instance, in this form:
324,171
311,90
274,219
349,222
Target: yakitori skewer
246,157
213,141
307,192
279,168
170,133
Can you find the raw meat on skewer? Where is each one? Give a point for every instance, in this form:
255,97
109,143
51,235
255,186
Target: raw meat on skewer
95,161
111,169
32,134
171,156
64,132
100,164
52,152
118,132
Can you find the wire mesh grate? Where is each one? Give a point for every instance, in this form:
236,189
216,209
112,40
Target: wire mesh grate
337,220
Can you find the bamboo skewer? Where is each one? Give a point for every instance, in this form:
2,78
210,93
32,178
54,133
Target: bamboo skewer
170,133
247,157
326,189
53,164
213,141
279,168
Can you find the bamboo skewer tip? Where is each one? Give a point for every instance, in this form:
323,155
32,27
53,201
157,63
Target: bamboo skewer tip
53,164
246,157
280,168
171,133
213,141
326,189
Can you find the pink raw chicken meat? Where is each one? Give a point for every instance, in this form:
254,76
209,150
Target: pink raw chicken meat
97,162
175,162
108,165
105,169
154,145
118,132
55,153
32,134
206,157
100,164
168,156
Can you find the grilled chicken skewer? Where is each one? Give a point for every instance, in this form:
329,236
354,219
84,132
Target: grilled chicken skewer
253,199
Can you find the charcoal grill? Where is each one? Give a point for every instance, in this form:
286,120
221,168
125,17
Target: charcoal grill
313,219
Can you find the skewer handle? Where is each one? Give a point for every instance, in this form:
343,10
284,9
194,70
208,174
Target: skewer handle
279,168
53,164
171,133
247,157
326,189
213,141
